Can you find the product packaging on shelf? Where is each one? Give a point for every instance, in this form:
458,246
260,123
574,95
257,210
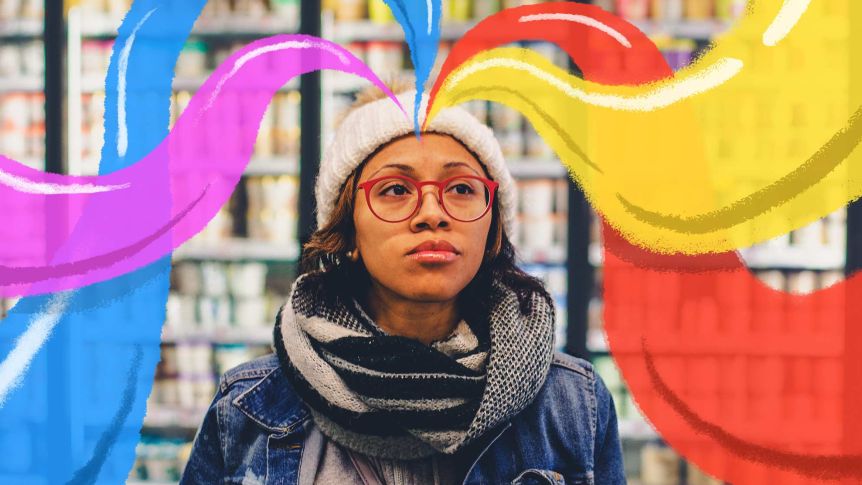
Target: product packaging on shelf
485,8
659,465
16,10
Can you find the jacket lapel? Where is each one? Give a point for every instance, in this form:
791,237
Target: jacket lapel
272,403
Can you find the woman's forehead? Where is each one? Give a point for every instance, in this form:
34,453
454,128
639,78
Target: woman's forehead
433,153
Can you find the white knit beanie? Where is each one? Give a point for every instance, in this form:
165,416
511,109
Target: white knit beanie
370,126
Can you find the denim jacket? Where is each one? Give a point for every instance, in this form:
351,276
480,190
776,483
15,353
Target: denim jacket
253,432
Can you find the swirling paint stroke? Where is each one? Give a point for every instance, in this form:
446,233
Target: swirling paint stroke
421,24
721,206
789,15
819,165
21,184
824,467
107,303
15,364
122,83
661,96
194,159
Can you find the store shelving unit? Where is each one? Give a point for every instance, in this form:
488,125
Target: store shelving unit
227,281
22,90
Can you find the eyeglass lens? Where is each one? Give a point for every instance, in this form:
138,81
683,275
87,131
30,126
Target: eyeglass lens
395,199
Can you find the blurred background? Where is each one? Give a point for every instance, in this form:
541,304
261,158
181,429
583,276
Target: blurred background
229,281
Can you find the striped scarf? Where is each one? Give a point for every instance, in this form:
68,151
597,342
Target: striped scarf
393,397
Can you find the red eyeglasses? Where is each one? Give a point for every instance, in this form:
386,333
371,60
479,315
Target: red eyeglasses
396,198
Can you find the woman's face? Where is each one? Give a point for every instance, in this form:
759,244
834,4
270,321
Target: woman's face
388,249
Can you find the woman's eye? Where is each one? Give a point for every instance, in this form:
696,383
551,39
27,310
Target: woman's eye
395,189
462,189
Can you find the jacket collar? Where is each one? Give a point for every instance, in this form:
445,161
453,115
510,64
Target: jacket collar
272,403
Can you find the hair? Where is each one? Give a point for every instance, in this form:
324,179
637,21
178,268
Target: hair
327,247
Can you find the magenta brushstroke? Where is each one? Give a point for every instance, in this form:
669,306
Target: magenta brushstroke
204,157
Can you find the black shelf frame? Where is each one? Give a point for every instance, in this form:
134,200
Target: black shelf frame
58,348
310,139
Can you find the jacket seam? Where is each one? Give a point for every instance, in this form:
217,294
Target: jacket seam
231,378
594,417
572,367
220,418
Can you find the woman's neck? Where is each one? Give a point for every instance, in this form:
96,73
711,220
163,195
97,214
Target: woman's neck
422,321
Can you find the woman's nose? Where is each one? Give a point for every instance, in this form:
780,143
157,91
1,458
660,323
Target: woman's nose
430,209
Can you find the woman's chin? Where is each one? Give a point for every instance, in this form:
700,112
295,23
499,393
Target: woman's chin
428,293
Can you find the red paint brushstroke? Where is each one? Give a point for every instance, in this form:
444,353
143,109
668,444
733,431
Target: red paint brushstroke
751,384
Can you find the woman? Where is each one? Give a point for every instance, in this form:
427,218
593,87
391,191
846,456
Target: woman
411,350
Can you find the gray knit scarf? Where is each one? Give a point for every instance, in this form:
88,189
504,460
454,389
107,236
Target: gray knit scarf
393,397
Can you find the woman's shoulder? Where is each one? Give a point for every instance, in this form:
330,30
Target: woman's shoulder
565,362
571,380
572,372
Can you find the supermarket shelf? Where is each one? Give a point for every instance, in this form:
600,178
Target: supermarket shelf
689,29
194,83
148,482
288,165
366,30
100,26
551,255
596,342
103,26
636,429
765,257
161,417
794,257
596,255
238,249
258,334
21,28
21,84
341,83
37,163
267,25
815,346
537,168
92,84
96,83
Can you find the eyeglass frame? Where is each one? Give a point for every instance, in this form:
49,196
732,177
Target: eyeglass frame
441,186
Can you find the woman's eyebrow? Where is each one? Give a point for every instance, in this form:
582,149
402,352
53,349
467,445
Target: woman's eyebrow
398,166
409,169
451,165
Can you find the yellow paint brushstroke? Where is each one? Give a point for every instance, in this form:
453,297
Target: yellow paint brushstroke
748,143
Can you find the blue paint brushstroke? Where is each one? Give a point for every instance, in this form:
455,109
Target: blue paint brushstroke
420,20
76,416
89,473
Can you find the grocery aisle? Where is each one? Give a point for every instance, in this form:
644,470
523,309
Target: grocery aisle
229,281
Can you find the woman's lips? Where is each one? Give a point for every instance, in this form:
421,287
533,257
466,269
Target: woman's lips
434,257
